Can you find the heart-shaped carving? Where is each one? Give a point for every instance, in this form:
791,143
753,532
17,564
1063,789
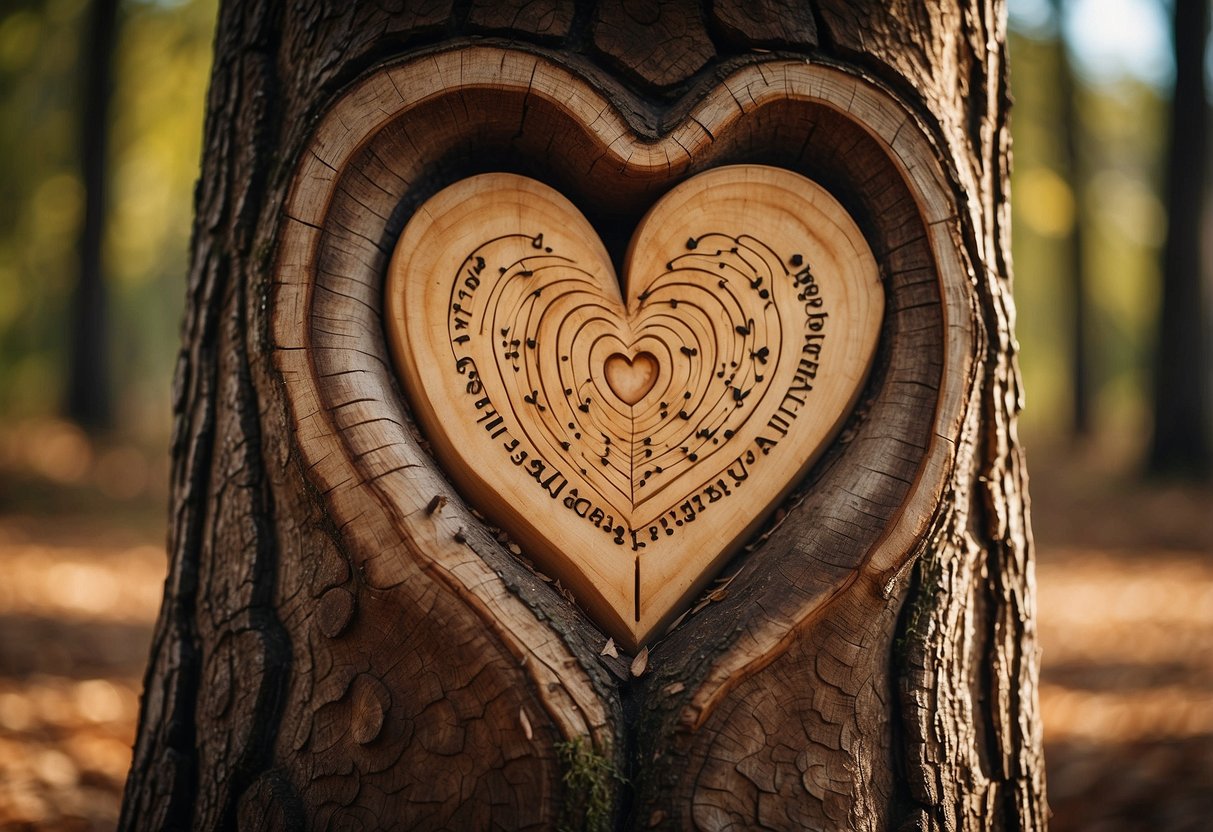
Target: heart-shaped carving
631,378
633,437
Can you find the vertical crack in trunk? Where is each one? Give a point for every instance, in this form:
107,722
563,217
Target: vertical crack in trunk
270,658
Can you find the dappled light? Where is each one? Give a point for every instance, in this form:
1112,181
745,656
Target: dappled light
1152,637
76,607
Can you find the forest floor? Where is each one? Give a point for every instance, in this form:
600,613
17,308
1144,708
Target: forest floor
1125,580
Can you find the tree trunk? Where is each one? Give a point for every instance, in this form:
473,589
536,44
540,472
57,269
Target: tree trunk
88,379
345,643
1070,126
1183,401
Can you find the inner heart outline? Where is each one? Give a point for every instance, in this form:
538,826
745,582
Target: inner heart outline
631,377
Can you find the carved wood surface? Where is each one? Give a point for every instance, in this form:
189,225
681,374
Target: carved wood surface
632,437
352,429
344,640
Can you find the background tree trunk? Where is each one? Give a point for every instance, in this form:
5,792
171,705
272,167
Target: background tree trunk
1183,405
1069,124
88,388
331,654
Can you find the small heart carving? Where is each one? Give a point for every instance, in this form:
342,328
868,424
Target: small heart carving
632,437
631,378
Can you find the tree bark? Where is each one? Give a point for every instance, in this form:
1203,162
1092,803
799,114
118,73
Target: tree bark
345,643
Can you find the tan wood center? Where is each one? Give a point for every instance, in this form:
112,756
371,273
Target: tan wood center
632,436
631,378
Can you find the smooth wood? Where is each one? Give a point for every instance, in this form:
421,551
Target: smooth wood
739,340
631,376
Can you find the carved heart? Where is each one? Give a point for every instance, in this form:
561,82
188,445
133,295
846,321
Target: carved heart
631,378
632,440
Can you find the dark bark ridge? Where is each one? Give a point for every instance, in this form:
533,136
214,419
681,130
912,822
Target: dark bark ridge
316,686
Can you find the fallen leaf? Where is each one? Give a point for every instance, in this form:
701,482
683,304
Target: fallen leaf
640,662
565,593
676,622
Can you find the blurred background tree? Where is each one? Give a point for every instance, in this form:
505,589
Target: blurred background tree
95,214
88,376
1182,442
48,106
1093,82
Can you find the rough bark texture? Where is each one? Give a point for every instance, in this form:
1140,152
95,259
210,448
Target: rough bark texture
343,644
